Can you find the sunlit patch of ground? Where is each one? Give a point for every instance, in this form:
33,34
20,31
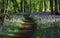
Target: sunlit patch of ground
11,26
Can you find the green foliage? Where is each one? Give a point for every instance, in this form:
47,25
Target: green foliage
11,26
17,6
45,28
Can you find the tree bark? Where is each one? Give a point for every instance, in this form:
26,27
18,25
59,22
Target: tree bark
2,12
21,5
51,6
44,5
30,6
56,10
25,4
59,6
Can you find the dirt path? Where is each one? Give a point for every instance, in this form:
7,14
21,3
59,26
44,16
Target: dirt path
26,30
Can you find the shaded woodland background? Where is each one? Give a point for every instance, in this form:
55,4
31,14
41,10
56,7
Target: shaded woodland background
30,6
12,17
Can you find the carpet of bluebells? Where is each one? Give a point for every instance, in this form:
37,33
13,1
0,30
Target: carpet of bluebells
48,26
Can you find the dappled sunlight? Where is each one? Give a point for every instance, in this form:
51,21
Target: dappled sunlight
11,26
14,31
10,34
26,18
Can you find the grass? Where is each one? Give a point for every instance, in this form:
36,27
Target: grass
11,26
46,28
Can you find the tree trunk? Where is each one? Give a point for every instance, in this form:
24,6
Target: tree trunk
51,6
41,6
30,6
25,4
56,10
59,6
44,5
2,12
21,5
